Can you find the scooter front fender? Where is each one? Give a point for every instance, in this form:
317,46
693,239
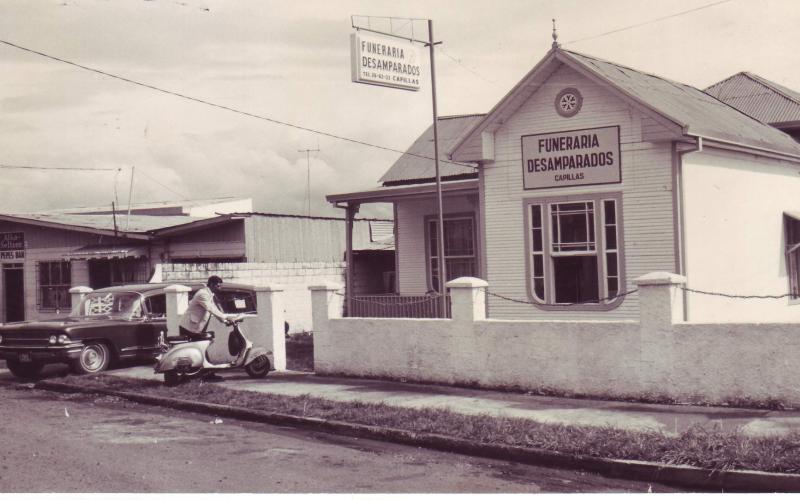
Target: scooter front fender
258,351
182,358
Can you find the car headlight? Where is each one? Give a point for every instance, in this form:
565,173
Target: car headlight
63,339
53,339
1,339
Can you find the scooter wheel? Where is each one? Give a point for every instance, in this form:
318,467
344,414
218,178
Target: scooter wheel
171,379
259,367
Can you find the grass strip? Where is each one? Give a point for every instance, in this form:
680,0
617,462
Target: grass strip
698,446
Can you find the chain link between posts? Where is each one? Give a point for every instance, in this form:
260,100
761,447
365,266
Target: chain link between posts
435,296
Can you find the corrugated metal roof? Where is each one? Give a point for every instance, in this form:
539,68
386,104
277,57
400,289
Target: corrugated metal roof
700,113
758,97
136,223
418,164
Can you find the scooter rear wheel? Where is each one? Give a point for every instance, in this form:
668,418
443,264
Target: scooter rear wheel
259,367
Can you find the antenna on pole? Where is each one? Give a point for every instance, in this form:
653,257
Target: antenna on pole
308,176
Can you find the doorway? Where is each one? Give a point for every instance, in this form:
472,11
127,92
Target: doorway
13,293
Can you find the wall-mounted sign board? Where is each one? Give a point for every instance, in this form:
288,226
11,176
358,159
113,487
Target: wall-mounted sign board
571,158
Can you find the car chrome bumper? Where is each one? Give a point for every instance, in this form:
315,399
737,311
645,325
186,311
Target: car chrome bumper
46,354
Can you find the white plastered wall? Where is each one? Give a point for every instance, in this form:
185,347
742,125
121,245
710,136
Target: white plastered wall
735,242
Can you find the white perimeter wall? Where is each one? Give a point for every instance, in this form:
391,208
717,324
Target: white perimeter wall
735,237
657,356
293,277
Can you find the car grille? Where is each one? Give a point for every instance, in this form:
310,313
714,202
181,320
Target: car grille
28,339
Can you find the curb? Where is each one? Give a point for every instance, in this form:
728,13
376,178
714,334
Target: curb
675,475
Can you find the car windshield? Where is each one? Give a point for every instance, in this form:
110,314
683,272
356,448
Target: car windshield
113,305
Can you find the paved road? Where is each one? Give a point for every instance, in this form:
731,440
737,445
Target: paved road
79,443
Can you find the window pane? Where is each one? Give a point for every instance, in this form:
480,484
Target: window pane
611,237
538,266
536,216
613,287
575,279
458,237
610,211
537,240
457,268
538,288
611,264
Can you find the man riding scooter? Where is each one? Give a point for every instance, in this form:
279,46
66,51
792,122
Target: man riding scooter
198,314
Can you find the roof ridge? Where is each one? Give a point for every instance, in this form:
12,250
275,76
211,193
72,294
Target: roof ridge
777,88
668,80
469,115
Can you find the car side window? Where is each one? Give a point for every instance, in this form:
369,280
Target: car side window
156,305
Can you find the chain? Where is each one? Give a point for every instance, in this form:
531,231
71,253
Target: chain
731,296
594,301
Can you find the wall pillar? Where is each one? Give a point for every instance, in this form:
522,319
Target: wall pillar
326,304
660,306
468,299
268,328
177,302
77,293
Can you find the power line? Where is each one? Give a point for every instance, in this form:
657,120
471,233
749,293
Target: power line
36,167
644,23
227,108
183,196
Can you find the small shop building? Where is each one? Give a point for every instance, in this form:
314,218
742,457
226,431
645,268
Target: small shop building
589,174
43,255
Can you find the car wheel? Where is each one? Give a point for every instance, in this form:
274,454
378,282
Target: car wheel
94,358
24,370
259,367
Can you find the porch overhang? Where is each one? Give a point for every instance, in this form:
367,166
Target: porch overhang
107,252
395,193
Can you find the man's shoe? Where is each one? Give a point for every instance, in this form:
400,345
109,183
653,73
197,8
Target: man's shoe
213,377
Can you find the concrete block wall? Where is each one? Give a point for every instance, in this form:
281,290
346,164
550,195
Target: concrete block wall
294,277
657,356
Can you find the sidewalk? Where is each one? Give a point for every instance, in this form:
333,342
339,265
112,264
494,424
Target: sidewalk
670,419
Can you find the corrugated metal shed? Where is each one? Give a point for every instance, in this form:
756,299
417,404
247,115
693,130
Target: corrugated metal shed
758,97
418,165
699,112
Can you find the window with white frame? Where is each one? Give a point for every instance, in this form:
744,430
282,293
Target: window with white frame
54,284
574,255
792,229
460,256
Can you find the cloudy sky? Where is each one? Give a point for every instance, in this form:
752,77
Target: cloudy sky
289,61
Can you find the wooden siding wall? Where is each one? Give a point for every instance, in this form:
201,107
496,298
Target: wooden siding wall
412,271
646,186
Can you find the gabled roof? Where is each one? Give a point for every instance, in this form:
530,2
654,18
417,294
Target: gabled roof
417,164
758,97
676,106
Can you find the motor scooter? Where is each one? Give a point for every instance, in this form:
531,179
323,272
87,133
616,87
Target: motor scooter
184,359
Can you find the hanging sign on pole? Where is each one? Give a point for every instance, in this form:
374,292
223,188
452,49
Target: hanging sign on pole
389,62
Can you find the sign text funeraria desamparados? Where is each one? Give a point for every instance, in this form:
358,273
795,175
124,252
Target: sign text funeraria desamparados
389,62
571,158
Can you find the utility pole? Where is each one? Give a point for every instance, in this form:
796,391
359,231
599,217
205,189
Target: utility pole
308,176
430,43
130,201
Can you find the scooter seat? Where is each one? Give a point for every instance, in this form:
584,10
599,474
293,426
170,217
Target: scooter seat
201,336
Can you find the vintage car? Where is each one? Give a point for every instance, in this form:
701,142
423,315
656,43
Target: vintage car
109,325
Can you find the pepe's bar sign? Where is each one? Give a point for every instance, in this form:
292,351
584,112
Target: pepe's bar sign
572,158
12,246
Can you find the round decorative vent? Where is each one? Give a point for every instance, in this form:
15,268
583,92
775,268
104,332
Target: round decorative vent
568,102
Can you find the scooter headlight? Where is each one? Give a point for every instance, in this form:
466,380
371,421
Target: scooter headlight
63,339
53,339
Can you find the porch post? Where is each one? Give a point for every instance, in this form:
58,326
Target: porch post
350,213
177,303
